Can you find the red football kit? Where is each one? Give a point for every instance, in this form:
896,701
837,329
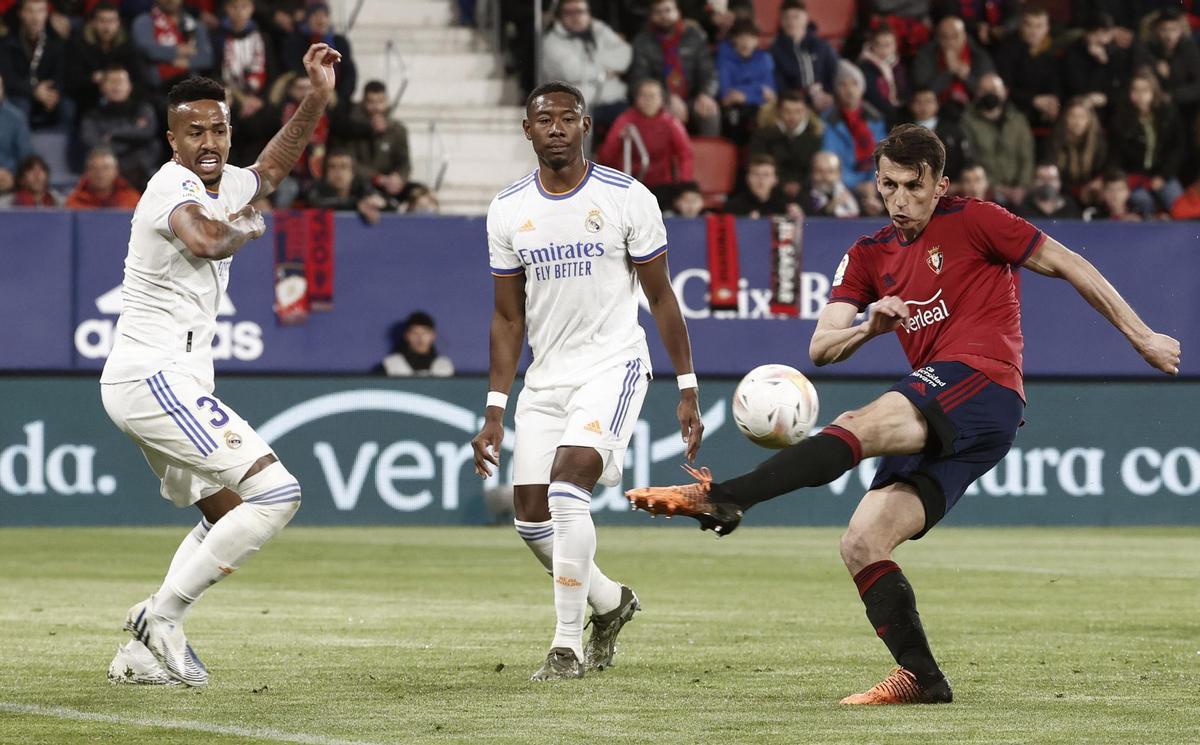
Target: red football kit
957,279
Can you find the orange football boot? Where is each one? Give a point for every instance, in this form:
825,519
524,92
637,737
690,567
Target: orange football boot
690,500
901,687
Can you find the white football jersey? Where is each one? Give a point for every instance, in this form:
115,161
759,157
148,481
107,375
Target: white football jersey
169,296
577,251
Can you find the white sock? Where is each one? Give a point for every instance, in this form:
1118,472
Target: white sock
237,536
604,594
574,549
188,546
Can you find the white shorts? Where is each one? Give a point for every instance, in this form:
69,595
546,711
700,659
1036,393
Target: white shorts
193,442
600,413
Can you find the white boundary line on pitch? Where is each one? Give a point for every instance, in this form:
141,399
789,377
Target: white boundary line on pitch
261,733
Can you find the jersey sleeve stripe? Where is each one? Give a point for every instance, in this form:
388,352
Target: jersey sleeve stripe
1034,242
518,186
614,173
499,272
612,181
257,182
172,213
651,256
843,299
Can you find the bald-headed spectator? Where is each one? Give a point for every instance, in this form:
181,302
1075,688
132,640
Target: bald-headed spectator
101,44
101,186
1000,140
952,64
675,51
852,127
1029,66
174,42
826,195
792,140
126,125
803,60
33,64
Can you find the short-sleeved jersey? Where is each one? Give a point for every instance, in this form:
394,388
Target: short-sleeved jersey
170,296
956,278
576,251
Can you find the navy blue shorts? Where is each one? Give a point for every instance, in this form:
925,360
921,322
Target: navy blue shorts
972,424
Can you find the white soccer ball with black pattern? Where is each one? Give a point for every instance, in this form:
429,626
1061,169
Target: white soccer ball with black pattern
775,406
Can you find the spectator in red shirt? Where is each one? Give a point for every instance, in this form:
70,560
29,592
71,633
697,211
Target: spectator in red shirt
101,186
33,186
665,139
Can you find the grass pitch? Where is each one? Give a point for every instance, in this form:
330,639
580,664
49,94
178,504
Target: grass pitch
380,635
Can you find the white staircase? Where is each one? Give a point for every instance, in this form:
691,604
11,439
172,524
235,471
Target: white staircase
458,105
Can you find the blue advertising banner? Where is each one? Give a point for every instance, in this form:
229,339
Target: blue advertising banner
63,273
390,451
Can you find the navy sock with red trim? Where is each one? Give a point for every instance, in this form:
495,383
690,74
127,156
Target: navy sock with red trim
814,461
892,610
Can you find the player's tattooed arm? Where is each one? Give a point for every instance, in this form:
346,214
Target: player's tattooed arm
507,338
1053,259
285,148
216,239
664,306
836,338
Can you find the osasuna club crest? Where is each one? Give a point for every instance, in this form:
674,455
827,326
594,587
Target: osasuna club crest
935,259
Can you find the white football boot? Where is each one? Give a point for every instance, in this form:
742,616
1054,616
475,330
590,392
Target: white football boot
134,665
166,642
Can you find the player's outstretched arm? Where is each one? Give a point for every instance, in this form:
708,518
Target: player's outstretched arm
1053,259
281,153
507,338
216,239
664,306
837,338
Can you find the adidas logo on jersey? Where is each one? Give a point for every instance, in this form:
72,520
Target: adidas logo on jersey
593,426
528,226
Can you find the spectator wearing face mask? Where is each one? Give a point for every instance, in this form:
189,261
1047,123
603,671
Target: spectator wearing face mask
414,351
1046,200
1000,140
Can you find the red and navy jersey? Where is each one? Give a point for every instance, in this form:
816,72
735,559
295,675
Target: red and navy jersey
957,278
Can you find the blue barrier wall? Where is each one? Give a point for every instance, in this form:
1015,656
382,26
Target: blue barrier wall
62,272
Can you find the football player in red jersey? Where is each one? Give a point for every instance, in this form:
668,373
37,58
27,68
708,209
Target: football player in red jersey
940,277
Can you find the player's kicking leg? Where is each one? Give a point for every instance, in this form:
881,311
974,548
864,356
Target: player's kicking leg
889,424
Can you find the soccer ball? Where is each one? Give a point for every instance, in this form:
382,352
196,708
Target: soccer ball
775,406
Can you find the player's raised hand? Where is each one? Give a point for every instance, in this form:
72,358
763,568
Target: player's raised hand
486,445
886,314
690,425
249,220
1162,352
318,63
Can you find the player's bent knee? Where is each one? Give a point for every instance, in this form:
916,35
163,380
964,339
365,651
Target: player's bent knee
274,494
857,550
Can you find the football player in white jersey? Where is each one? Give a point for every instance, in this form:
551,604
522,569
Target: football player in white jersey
570,244
157,384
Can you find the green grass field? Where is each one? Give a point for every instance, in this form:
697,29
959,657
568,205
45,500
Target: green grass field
383,635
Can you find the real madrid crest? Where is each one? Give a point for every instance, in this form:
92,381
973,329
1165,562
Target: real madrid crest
935,259
593,223
233,440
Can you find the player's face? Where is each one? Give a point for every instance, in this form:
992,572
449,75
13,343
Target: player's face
556,126
199,135
908,196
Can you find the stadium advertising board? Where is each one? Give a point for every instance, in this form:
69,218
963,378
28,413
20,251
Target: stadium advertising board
67,294
376,451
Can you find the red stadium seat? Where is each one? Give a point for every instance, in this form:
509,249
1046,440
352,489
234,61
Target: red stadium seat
834,18
715,169
766,17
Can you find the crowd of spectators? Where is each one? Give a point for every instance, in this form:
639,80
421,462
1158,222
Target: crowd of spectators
92,75
1054,108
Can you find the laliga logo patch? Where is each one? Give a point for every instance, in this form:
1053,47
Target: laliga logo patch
191,188
593,223
935,259
233,440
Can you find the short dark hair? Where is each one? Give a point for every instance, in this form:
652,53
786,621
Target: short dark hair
793,5
1169,13
555,86
419,318
794,95
558,10
971,165
374,86
1115,174
1034,9
1097,20
28,163
913,146
99,7
743,27
686,186
760,159
195,88
338,152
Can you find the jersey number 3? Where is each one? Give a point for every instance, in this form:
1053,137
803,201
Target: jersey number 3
214,406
